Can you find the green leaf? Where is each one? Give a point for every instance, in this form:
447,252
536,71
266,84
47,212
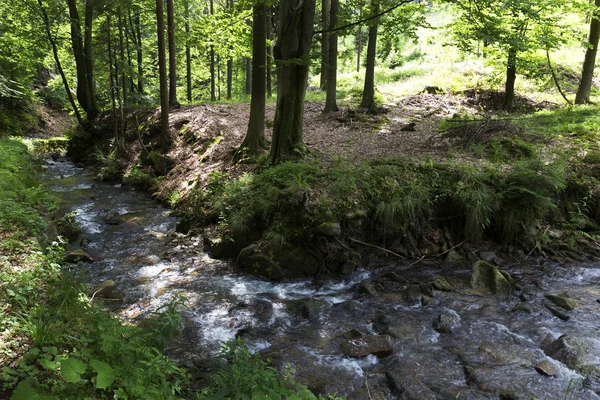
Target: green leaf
71,369
106,374
27,390
48,364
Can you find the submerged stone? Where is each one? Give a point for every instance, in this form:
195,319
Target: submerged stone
558,313
380,346
489,277
563,301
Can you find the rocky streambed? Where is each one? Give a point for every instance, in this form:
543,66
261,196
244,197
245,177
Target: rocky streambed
387,330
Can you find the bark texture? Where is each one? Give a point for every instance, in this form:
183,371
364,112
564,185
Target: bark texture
326,23
330,100
173,102
368,97
162,73
292,57
511,77
587,73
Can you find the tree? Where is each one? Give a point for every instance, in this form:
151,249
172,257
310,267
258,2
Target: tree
368,97
84,62
255,136
325,20
292,58
330,100
512,31
173,102
587,73
162,72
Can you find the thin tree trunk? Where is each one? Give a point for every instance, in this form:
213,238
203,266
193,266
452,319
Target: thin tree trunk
511,77
122,58
112,78
292,56
173,102
58,63
325,11
139,54
212,61
218,78
330,100
269,52
255,136
368,97
587,72
359,41
188,53
162,72
89,59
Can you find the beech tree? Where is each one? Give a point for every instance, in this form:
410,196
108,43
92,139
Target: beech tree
173,102
292,58
162,72
587,73
255,136
331,81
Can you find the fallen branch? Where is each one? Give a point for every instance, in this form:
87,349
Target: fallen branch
376,247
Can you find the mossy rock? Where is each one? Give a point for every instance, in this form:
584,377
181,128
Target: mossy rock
263,265
563,301
78,256
486,276
160,163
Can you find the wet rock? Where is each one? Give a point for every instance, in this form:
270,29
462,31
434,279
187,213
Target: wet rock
367,288
569,350
380,346
381,322
78,255
112,218
392,276
562,300
522,307
409,388
298,261
453,259
262,265
546,368
329,229
558,313
353,334
592,379
446,322
105,289
312,308
247,252
491,278
442,284
348,267
487,256
413,295
220,247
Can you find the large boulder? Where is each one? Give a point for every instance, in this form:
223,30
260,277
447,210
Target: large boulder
574,352
381,346
161,164
112,218
329,229
486,276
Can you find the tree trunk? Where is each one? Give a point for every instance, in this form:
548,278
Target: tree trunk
112,78
248,62
292,57
188,53
587,73
269,52
173,102
58,63
89,60
138,28
330,100
122,58
511,76
83,60
359,41
325,11
255,136
212,62
368,97
165,139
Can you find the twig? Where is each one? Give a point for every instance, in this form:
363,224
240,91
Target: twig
449,250
416,262
377,247
367,384
340,242
564,96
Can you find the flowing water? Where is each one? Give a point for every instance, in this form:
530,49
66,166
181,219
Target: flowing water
489,352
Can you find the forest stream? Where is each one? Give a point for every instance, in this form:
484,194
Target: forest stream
451,344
